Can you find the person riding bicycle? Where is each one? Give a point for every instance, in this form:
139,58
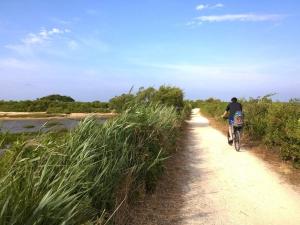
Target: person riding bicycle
231,109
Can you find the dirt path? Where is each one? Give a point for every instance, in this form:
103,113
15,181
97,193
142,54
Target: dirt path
211,183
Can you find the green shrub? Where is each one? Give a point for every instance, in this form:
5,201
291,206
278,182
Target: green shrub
72,179
256,122
283,129
274,123
53,106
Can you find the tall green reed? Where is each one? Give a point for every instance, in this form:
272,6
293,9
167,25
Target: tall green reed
78,178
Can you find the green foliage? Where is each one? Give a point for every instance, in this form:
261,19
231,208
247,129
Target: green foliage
57,98
8,145
171,96
29,126
75,178
122,102
72,179
146,95
187,108
256,121
276,124
166,95
283,129
212,107
53,106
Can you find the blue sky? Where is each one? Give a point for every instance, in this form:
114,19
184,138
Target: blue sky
94,50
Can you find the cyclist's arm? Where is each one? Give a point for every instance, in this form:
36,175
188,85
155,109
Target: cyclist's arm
225,114
226,111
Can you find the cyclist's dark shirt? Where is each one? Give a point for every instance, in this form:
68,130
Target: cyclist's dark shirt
233,107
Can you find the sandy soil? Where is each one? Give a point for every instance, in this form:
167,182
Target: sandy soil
210,183
83,115
44,115
29,115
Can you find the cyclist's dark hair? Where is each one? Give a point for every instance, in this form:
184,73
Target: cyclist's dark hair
234,99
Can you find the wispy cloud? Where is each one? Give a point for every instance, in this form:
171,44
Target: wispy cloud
216,74
43,35
207,6
241,18
34,40
247,17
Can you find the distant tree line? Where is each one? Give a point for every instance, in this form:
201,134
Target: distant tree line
54,104
166,95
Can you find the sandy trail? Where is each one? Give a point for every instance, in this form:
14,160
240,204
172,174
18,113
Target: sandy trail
211,183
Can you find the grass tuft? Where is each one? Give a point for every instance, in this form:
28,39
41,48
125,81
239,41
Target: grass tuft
77,178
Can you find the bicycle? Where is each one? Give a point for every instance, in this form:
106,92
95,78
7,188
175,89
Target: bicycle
236,135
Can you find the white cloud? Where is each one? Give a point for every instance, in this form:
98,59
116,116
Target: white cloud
202,6
46,34
247,17
240,17
42,36
32,41
219,5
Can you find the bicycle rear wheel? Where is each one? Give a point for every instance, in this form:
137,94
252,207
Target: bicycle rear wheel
237,140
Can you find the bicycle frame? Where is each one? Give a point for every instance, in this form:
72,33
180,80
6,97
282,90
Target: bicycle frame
236,136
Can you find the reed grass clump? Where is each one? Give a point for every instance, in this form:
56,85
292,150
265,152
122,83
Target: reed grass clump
78,178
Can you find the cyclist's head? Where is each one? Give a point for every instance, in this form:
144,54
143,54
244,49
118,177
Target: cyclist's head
234,99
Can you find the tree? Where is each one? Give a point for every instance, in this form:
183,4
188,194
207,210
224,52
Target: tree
146,95
121,102
57,98
171,96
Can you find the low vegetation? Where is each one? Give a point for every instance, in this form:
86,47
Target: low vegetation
83,176
166,95
54,104
57,98
276,124
29,126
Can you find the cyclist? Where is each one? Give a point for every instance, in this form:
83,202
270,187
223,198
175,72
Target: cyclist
231,109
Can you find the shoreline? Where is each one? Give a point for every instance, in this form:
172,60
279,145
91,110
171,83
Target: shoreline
6,116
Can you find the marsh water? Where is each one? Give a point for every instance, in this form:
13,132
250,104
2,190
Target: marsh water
35,125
